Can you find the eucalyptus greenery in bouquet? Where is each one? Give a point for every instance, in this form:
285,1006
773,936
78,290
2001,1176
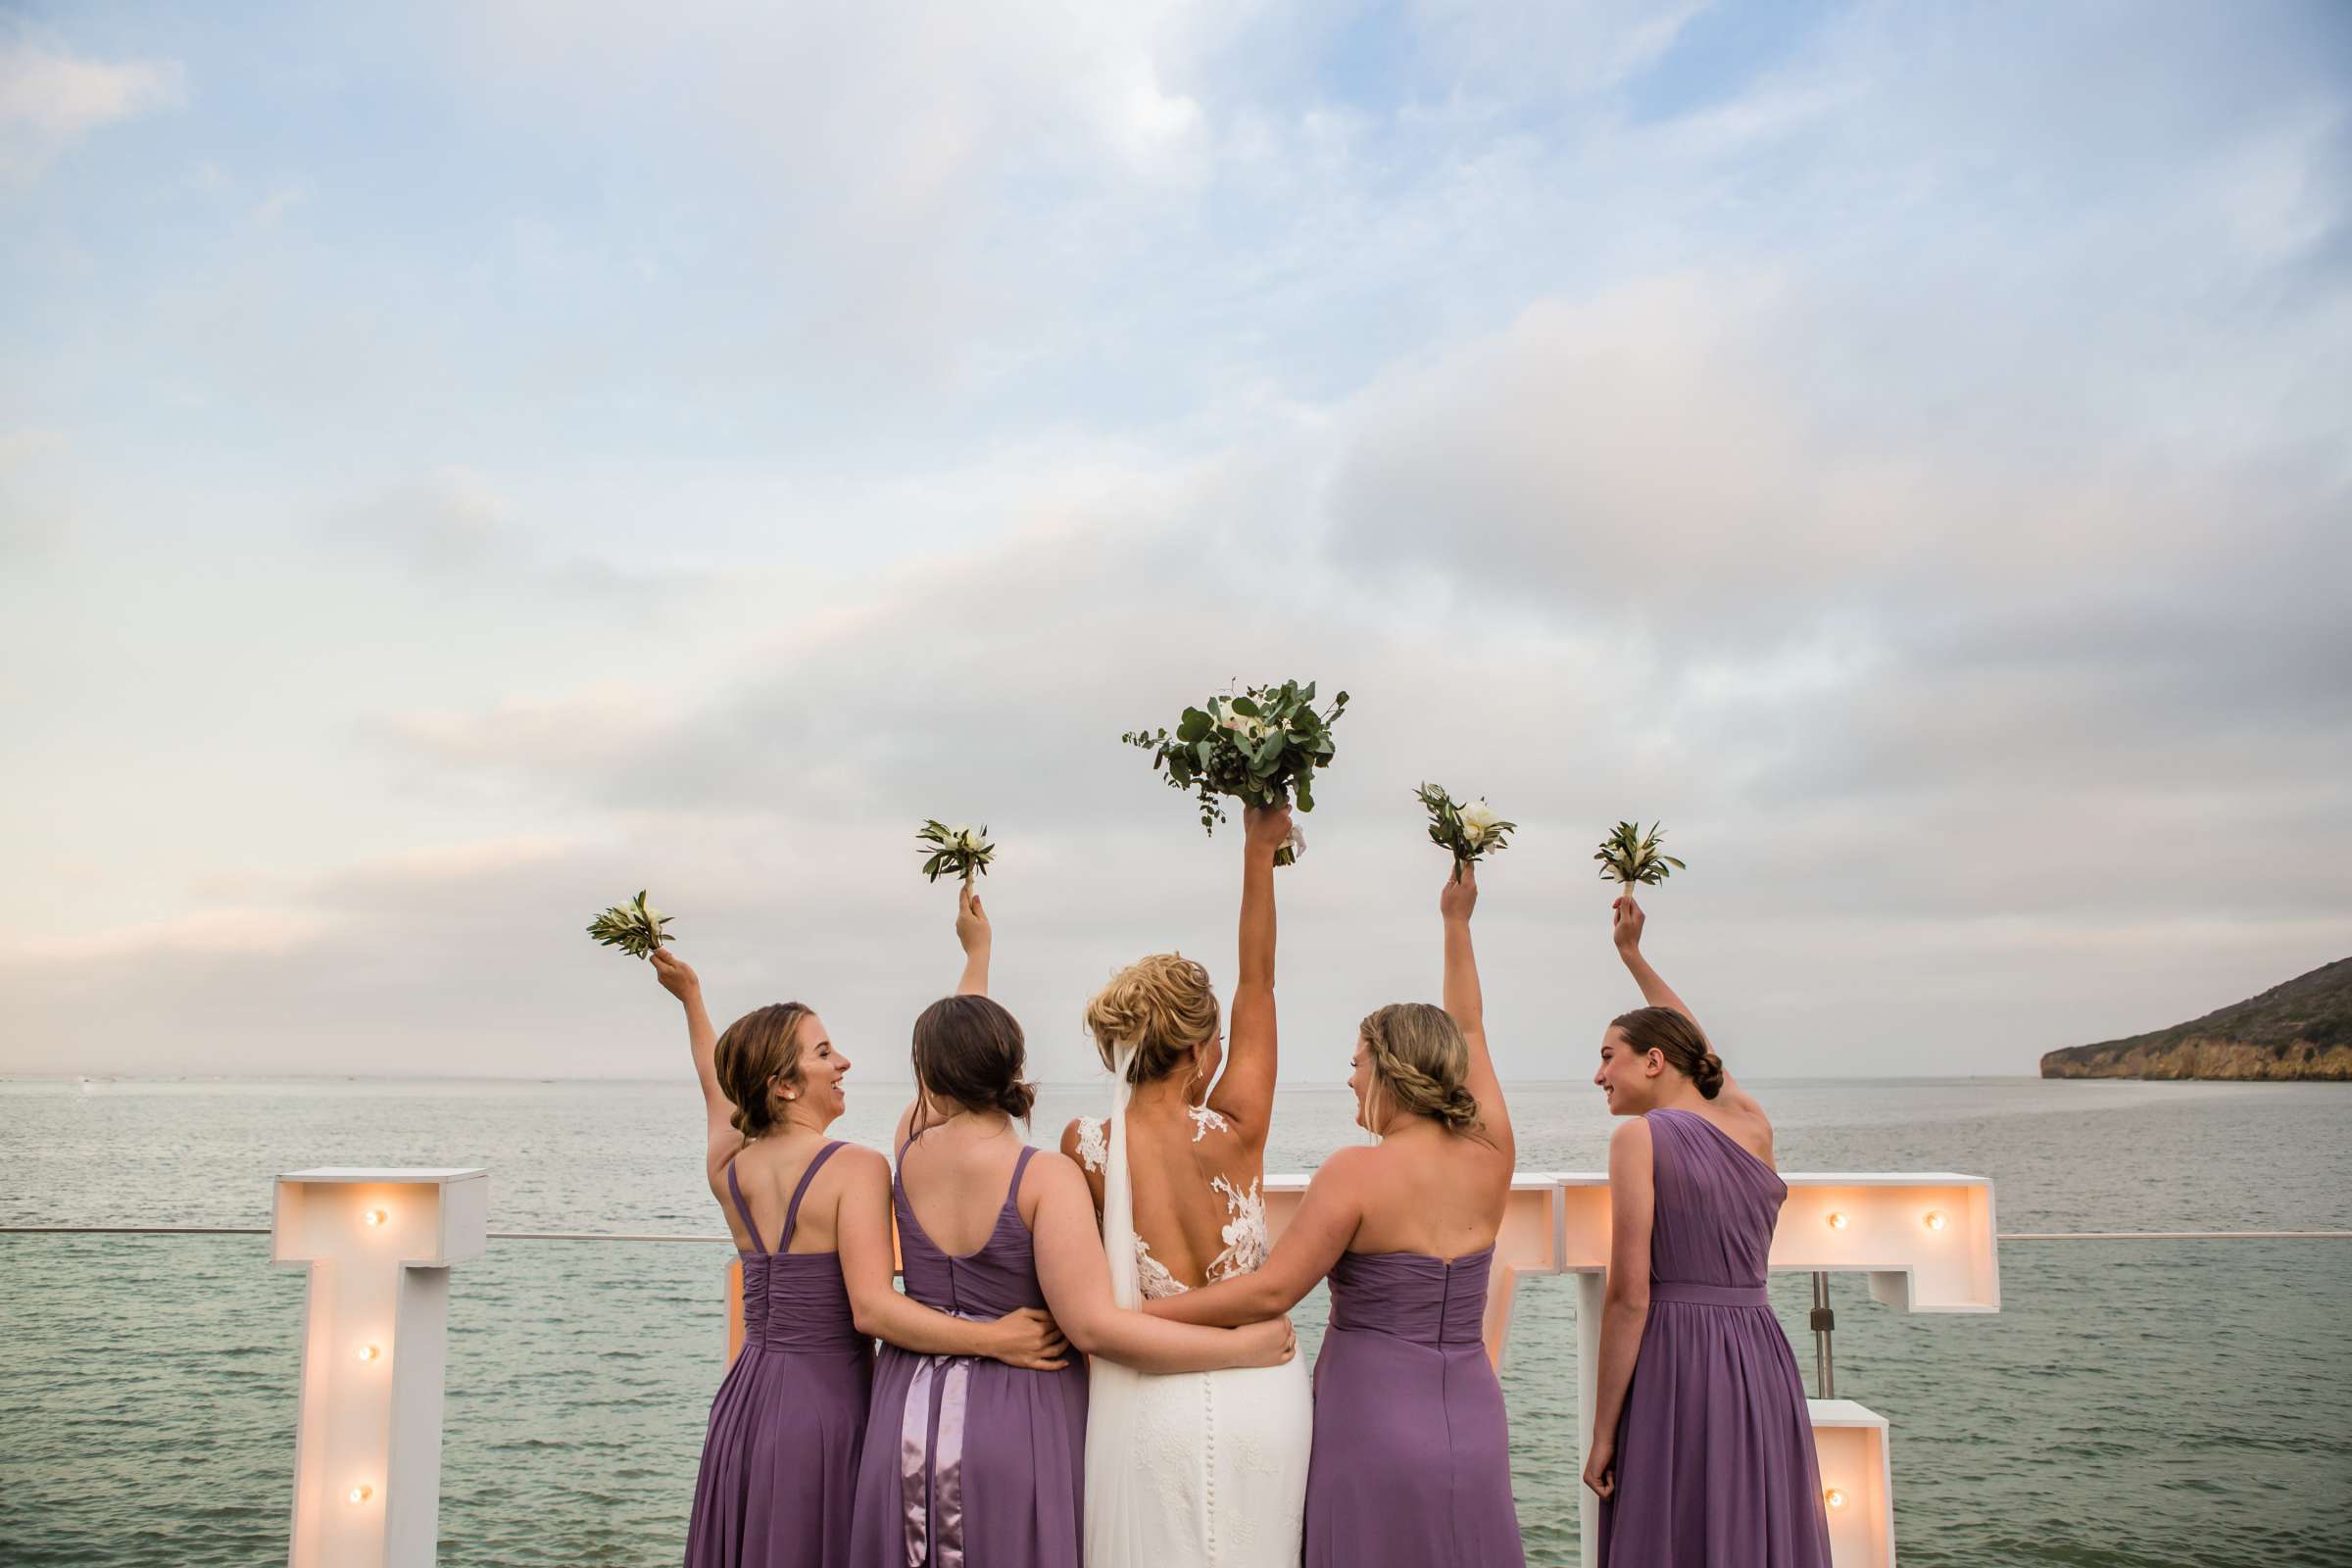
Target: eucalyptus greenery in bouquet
1263,746
1628,855
1471,830
954,850
634,927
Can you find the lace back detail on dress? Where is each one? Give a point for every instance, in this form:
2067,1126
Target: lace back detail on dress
1245,1230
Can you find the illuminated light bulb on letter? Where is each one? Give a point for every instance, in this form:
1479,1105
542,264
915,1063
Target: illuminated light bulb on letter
1834,1497
1836,1221
375,1216
360,1494
1934,1219
369,1352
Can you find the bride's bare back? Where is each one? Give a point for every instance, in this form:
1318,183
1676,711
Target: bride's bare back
1199,1190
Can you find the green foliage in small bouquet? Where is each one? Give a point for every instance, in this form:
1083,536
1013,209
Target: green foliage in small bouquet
635,927
1262,747
954,850
1472,830
1628,855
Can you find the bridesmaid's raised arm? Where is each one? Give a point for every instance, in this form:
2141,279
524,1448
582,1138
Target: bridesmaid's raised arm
722,1140
1245,1092
973,933
1310,1248
1626,921
1075,1277
1465,1004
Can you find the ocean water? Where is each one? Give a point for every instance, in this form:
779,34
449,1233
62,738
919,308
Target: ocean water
2140,1404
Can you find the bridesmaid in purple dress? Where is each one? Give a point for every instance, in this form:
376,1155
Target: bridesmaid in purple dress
780,1454
1412,1462
1702,1447
971,1464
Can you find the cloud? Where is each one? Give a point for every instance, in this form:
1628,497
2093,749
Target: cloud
50,99
1918,483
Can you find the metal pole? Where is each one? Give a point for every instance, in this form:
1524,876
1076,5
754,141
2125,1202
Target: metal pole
1825,1323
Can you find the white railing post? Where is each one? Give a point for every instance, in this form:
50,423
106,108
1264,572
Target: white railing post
378,1244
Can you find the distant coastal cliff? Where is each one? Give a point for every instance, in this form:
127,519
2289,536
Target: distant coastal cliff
2300,1030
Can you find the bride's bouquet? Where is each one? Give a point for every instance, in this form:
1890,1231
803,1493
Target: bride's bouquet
954,850
634,927
1262,747
1472,830
1628,855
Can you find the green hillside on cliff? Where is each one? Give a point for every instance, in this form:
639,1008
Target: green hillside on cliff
2302,1029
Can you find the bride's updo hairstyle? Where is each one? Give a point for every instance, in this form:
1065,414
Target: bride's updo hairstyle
1420,1065
756,1049
1677,1038
970,1051
1165,1004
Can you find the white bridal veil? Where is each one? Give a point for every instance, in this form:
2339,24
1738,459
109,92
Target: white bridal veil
1112,1389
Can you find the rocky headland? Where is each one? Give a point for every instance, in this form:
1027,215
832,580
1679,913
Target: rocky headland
2299,1030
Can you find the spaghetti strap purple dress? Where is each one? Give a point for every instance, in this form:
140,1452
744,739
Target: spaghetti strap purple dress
970,1463
1715,1449
780,1457
1411,1466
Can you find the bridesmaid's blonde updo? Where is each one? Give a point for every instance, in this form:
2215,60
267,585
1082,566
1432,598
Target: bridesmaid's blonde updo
756,1049
1420,1065
1166,1004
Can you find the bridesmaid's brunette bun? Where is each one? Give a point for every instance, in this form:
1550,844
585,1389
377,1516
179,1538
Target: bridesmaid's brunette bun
1420,1064
970,1051
757,1049
1677,1038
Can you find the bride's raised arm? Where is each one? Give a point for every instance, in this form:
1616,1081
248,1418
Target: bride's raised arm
1245,1092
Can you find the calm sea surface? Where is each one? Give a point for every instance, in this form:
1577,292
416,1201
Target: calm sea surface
2134,1404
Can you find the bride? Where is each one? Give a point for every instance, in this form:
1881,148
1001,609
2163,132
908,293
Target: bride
1202,1469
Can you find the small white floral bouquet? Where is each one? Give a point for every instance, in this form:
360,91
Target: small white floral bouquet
1628,855
1472,831
636,927
1263,746
956,850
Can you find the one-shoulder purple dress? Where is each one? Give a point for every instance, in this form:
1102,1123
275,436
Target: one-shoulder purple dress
1715,1449
780,1457
970,1463
1412,1465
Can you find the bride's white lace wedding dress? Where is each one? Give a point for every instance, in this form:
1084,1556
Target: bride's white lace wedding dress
1202,1469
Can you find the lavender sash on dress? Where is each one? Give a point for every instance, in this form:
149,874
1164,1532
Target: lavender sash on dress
929,1470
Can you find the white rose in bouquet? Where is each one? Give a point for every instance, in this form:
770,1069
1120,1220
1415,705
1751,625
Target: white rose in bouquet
634,927
961,850
1471,832
1630,856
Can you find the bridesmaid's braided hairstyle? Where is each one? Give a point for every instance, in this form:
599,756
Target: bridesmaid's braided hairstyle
1677,1038
1420,1064
759,1047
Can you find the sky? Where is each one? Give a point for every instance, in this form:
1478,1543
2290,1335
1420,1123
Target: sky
462,464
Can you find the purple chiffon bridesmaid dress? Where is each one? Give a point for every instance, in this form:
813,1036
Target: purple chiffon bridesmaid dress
1412,1465
1715,1449
780,1457
970,1463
